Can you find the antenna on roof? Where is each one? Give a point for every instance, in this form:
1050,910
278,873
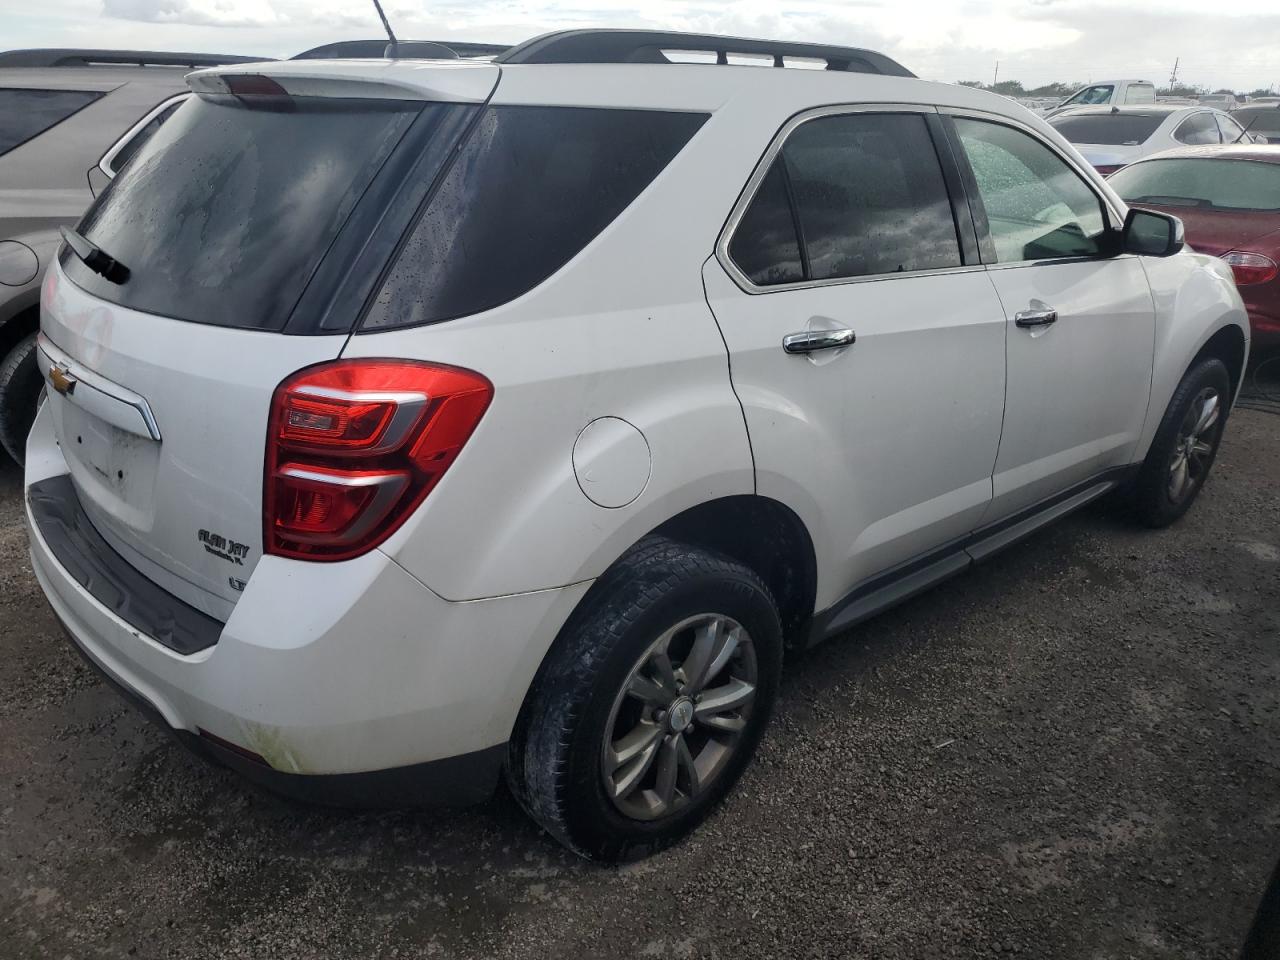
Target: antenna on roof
391,47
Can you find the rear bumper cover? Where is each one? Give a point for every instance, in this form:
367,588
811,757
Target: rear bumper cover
353,681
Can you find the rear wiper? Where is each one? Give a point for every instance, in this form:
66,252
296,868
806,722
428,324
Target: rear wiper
94,257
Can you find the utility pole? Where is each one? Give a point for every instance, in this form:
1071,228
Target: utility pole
996,76
1173,77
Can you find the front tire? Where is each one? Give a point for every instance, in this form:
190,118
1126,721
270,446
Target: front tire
20,384
651,703
1185,445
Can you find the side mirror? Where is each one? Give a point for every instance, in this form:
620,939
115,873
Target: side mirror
1151,234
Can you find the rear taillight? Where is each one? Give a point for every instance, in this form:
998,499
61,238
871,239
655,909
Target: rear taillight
354,446
1251,267
1107,169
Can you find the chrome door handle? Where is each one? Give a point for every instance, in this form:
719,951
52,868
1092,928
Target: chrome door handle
1035,318
812,340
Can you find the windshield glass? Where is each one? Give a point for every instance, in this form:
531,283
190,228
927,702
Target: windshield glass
1194,182
1128,129
224,213
1090,96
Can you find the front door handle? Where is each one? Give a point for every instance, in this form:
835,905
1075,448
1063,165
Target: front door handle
1036,318
813,340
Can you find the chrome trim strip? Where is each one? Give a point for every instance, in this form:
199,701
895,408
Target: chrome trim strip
97,382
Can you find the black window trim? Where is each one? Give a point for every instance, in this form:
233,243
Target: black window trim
1113,215
104,162
951,180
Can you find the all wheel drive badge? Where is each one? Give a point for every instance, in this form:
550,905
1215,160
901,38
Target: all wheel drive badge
223,548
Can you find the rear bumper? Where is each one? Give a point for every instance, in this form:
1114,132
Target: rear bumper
352,682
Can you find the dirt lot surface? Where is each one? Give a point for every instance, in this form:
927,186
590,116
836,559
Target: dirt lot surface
1073,751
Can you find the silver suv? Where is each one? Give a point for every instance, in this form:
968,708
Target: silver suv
69,119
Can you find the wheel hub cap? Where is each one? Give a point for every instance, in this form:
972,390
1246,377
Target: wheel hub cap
681,715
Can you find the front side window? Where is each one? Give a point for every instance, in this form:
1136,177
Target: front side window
1036,206
529,188
1198,128
865,196
26,113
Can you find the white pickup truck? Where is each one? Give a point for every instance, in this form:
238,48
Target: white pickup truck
1113,93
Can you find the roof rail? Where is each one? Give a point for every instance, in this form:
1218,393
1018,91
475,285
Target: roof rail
647,46
71,57
377,50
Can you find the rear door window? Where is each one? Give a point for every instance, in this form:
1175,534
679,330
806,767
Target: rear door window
1198,128
27,113
530,187
226,210
867,197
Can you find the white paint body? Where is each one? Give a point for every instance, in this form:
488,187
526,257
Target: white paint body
1170,134
638,381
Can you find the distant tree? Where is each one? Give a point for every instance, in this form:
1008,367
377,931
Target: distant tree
1180,90
1009,88
1224,90
1262,92
972,83
1055,89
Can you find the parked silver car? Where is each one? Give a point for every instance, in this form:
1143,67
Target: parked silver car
69,119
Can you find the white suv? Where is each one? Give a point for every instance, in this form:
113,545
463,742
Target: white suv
409,421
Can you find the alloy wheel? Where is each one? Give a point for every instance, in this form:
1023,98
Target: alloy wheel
1193,448
679,717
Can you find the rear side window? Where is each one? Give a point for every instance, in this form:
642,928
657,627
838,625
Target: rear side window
530,187
867,196
131,146
1111,129
26,113
1197,129
224,213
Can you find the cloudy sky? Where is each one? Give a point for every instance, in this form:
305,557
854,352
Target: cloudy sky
1233,45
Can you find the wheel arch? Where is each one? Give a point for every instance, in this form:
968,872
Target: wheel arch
25,321
1228,345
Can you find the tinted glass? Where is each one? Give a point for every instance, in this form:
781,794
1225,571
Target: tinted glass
530,187
1037,207
765,246
1261,120
25,113
1112,129
224,213
1198,128
1205,183
870,196
134,143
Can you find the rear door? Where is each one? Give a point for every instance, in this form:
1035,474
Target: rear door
232,216
1081,324
866,344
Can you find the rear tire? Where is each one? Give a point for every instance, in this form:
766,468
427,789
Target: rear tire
618,754
1185,445
20,385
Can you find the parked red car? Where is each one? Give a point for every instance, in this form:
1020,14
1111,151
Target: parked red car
1228,198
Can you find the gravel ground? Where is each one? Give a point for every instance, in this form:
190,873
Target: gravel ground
1070,752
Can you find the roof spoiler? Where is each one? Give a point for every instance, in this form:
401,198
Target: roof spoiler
647,46
72,57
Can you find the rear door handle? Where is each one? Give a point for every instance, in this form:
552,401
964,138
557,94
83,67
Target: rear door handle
813,340
1035,318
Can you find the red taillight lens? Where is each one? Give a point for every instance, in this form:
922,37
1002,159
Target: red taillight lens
1107,169
354,446
1251,267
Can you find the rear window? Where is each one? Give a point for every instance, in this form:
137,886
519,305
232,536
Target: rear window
1209,184
530,187
1113,129
1263,120
26,113
224,213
